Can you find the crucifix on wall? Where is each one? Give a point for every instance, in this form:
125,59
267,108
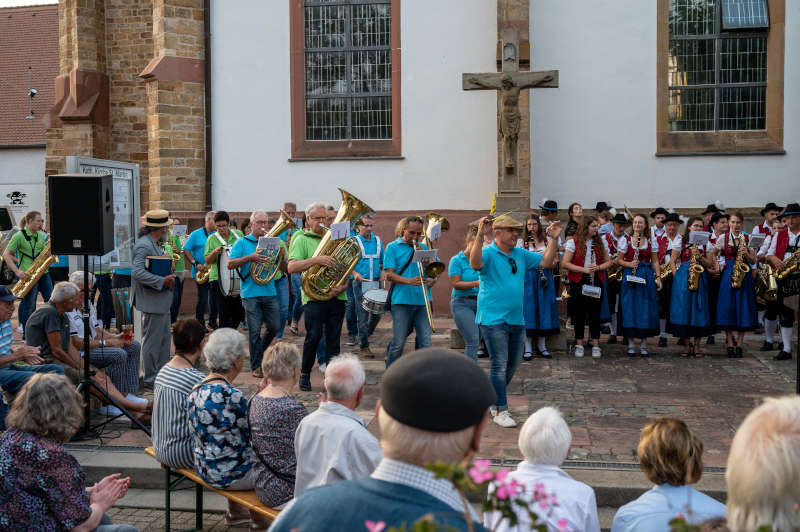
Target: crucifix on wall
509,82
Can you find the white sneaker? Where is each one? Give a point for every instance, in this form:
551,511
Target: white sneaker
596,353
492,411
322,368
504,419
579,351
110,410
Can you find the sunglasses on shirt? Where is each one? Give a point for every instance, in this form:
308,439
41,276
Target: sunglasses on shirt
513,264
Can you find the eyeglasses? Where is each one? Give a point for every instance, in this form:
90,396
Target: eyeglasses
367,225
317,218
513,264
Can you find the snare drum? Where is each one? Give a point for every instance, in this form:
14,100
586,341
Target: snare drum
374,301
229,281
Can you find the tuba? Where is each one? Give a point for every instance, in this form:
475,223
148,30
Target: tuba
740,267
435,268
35,272
264,273
317,281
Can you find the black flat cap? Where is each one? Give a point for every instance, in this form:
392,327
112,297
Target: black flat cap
770,207
549,205
659,210
710,208
673,217
602,206
620,218
437,390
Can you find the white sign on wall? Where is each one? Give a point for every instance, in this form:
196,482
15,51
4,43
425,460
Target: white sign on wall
21,198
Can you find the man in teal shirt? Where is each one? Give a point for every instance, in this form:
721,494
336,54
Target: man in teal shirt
329,313
501,269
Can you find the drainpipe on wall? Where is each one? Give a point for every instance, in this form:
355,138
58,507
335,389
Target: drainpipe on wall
207,46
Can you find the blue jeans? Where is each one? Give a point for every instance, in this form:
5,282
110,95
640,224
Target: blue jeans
366,321
282,287
505,344
463,310
296,310
12,377
105,303
403,318
350,311
28,303
177,295
258,310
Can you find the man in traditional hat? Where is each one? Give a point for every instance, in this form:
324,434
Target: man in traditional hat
770,212
613,286
658,216
784,246
501,269
549,212
432,408
152,293
665,243
711,209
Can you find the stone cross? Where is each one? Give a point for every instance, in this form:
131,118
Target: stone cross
509,83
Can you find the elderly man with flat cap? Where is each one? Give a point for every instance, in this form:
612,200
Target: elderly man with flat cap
432,408
501,269
152,293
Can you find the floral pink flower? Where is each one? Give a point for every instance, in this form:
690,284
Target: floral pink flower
562,525
375,526
480,471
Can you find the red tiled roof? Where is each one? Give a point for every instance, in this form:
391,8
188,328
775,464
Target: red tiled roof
28,37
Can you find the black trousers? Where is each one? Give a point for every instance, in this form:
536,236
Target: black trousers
586,310
205,301
318,313
230,308
776,310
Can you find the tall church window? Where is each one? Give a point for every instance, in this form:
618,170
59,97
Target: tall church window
345,78
721,71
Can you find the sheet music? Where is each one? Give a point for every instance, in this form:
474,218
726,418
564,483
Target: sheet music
435,231
756,241
424,255
270,243
179,230
698,237
340,230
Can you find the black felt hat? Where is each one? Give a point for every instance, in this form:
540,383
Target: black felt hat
659,210
437,390
711,208
549,205
791,209
673,217
620,218
602,206
770,207
717,216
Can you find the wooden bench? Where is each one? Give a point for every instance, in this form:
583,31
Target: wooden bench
175,476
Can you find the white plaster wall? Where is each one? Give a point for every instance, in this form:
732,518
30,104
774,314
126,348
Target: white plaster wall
21,165
594,138
448,135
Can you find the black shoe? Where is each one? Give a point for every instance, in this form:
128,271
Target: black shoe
662,342
767,346
731,352
612,340
738,352
544,354
213,325
605,329
711,340
682,341
783,355
527,356
305,383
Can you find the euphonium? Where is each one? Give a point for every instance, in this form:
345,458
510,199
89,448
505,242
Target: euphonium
264,273
789,265
740,267
695,269
35,272
317,281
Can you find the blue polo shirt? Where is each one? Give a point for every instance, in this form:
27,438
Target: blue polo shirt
397,254
370,248
459,265
196,244
501,291
243,247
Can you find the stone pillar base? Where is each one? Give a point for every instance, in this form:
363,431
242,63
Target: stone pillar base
513,202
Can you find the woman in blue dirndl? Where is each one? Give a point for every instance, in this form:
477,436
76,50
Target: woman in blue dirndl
690,312
736,307
540,309
639,299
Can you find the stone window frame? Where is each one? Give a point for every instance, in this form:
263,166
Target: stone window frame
302,149
767,141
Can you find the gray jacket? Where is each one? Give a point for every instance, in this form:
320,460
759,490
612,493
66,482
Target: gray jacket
149,293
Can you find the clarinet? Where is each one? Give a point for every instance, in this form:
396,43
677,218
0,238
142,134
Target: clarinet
636,254
591,262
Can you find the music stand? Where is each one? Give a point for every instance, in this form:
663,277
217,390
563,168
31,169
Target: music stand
86,384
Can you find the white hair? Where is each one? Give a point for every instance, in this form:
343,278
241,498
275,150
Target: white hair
256,213
313,207
76,278
344,377
545,437
417,446
64,291
223,348
763,474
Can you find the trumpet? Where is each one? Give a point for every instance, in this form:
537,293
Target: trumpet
424,287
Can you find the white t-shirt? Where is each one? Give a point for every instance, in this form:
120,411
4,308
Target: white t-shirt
764,249
794,239
570,246
623,245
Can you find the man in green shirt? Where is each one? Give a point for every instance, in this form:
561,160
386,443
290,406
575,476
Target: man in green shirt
172,246
230,307
22,250
330,313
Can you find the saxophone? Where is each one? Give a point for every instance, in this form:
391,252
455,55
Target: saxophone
695,269
767,286
790,265
264,273
317,281
740,267
35,272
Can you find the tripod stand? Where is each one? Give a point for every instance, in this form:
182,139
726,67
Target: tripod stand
87,384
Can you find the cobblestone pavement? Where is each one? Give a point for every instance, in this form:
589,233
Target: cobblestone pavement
153,520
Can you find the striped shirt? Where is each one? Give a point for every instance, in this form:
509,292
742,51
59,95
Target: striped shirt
6,337
173,439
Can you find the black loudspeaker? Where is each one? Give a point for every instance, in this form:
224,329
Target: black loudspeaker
81,220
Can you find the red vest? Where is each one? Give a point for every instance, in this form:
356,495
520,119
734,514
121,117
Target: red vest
730,249
579,259
644,253
783,243
764,229
663,244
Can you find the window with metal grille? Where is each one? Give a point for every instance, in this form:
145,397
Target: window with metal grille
348,70
717,65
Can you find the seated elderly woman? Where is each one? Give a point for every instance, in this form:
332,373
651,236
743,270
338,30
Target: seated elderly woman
274,417
218,419
763,474
42,486
173,440
544,442
119,357
672,458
